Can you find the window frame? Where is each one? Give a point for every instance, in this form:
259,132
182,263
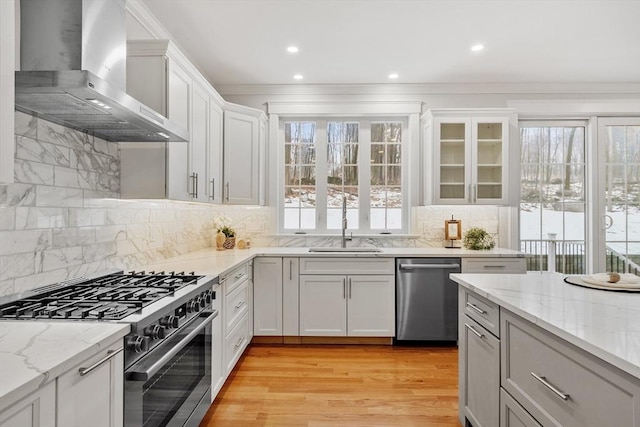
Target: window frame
364,172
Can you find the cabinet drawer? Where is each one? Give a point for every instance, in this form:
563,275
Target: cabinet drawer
236,305
236,276
512,414
481,355
494,265
481,310
559,384
235,343
347,265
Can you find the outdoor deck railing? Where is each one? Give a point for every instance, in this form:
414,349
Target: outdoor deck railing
569,257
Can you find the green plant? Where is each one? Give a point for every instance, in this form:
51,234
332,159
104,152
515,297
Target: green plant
477,238
223,225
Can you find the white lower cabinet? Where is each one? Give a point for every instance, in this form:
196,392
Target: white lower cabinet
512,414
515,374
267,309
510,265
237,312
562,385
91,393
36,410
218,369
355,305
480,393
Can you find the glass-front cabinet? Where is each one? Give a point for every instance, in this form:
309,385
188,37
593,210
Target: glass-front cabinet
467,152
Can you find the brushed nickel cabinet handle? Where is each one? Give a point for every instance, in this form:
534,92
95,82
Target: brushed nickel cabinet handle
344,288
476,308
110,354
349,287
213,189
227,191
195,187
290,269
562,395
472,329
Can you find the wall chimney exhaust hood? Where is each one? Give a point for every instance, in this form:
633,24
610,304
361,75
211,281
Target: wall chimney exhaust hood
73,70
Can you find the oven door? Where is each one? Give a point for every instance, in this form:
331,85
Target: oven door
171,386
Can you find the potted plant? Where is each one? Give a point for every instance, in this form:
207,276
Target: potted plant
477,238
223,225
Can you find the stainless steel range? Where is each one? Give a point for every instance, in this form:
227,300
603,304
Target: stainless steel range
167,354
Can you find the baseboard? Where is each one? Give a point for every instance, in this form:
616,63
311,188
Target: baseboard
291,340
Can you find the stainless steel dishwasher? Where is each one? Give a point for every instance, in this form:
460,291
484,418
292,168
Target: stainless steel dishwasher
426,299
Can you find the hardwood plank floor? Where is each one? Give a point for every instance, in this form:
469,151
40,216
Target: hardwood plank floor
350,385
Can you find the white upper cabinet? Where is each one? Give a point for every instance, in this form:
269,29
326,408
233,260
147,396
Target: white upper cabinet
468,153
199,140
158,75
243,164
214,152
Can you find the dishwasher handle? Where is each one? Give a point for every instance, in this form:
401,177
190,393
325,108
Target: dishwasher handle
428,266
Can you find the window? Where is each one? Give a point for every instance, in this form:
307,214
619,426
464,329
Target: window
328,160
552,196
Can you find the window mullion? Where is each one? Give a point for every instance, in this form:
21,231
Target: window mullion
364,176
321,176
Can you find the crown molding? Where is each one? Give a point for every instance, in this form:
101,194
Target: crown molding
631,88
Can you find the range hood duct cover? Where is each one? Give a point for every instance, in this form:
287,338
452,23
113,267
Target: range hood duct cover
73,71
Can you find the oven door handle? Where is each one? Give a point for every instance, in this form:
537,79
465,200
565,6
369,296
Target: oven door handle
141,371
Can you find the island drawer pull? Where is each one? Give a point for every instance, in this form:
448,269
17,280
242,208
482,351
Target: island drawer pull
110,354
476,308
543,380
472,329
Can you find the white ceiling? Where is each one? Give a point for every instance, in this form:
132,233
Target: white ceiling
424,41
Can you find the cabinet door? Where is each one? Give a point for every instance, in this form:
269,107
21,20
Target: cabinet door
267,309
290,297
36,410
198,144
214,152
452,156
241,159
371,306
481,353
94,399
218,372
178,110
490,160
323,305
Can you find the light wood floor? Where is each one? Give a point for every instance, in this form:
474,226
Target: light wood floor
340,386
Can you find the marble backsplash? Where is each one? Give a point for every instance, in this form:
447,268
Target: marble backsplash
63,218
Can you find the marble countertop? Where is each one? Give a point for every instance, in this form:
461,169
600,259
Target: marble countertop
604,323
212,262
34,353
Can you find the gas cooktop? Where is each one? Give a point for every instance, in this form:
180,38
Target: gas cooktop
109,297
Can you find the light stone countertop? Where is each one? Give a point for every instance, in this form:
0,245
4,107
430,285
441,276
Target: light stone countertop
603,323
212,262
35,353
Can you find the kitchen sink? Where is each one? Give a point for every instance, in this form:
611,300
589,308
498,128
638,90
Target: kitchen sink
366,250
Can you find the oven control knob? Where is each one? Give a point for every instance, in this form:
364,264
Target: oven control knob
202,301
137,344
193,306
207,297
154,332
170,322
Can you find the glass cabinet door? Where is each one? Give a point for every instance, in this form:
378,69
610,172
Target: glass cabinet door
453,148
488,160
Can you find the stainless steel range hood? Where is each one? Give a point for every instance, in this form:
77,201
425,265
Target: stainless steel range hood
73,71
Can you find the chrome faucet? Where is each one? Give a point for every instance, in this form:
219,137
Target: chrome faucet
344,221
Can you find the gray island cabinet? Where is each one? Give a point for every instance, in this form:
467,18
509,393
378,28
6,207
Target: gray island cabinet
536,351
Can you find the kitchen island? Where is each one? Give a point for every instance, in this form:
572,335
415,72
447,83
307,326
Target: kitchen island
552,353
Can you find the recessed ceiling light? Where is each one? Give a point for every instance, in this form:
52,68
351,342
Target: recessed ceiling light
393,76
292,49
477,47
298,77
